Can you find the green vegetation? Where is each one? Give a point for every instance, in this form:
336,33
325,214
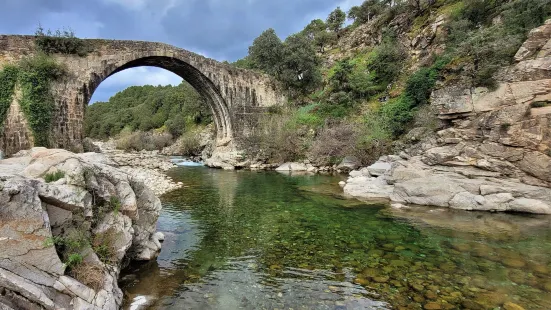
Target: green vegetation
33,76
170,110
115,203
54,176
60,41
73,260
374,88
36,75
8,79
103,245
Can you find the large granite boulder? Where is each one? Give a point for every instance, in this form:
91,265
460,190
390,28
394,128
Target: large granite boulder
52,198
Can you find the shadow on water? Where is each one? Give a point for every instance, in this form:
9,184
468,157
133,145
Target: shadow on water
262,240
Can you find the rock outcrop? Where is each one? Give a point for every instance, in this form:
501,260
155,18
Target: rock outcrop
68,224
495,152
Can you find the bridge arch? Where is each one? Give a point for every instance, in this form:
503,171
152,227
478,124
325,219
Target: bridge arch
237,97
204,86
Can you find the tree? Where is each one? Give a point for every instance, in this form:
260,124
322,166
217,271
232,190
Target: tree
323,39
366,11
266,52
314,28
300,64
336,19
317,32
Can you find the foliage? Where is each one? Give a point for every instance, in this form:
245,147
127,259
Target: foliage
60,41
115,203
104,246
36,75
317,32
396,115
54,176
336,19
387,60
420,84
144,108
190,144
300,64
8,79
244,63
266,52
73,260
366,11
483,43
277,138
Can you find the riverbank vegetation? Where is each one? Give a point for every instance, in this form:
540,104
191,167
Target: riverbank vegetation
348,101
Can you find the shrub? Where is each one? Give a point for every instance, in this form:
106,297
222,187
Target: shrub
140,140
63,42
419,86
190,144
115,204
54,176
386,60
36,75
88,274
8,79
104,246
396,115
277,139
73,260
333,143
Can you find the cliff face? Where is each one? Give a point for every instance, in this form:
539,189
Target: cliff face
493,153
68,224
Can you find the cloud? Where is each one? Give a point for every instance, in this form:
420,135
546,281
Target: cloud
219,29
134,77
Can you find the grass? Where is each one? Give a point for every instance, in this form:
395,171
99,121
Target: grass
103,245
115,203
54,176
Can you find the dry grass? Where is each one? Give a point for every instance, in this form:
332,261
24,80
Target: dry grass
140,140
333,143
89,274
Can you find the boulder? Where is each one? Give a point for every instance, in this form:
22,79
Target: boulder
122,211
379,168
348,164
292,167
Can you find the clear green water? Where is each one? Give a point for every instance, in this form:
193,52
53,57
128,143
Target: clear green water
263,240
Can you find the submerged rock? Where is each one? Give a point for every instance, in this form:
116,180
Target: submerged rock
108,216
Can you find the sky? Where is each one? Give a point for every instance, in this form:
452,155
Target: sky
219,29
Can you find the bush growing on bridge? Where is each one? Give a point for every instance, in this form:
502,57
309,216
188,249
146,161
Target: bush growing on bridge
36,75
33,76
8,79
60,41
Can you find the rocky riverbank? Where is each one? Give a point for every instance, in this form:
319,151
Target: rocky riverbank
69,223
146,166
494,154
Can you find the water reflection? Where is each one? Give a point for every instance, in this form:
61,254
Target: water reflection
264,241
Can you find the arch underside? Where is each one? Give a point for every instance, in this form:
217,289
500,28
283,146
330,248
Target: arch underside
204,86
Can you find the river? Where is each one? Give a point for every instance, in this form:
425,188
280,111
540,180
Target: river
264,240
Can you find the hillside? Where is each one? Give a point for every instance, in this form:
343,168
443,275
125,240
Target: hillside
171,109
357,90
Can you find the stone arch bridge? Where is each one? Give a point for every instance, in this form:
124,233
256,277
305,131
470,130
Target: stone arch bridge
236,96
